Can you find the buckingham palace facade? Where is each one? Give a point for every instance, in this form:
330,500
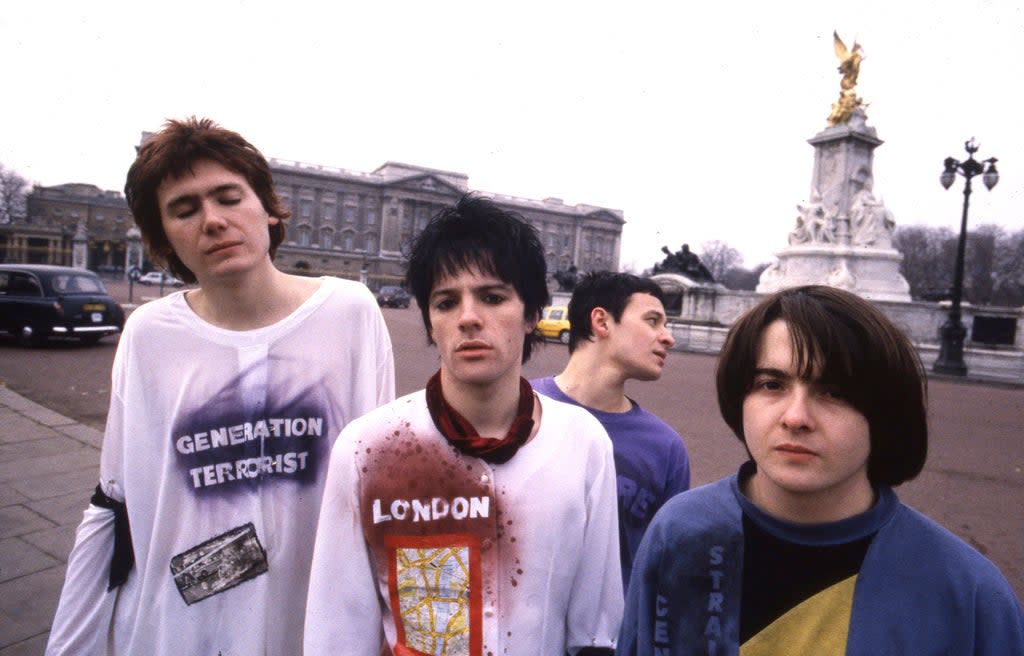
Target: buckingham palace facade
344,223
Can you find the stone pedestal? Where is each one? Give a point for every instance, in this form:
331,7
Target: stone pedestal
843,235
684,296
133,254
80,247
873,273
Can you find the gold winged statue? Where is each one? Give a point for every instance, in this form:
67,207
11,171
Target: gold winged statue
849,66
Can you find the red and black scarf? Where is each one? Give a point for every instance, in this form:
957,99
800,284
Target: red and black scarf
461,434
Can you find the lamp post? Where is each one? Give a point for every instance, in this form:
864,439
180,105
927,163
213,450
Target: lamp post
951,351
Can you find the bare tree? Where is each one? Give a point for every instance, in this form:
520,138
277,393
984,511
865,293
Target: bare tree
13,191
1008,270
927,261
993,264
719,257
743,279
979,263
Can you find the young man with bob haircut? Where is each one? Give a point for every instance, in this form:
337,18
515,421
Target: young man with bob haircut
225,401
172,154
618,331
807,549
472,517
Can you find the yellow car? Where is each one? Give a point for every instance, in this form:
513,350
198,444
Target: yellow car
554,323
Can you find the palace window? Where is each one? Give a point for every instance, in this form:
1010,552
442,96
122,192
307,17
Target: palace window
326,238
306,208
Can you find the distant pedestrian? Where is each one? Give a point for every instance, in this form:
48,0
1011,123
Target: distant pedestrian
225,402
618,331
807,549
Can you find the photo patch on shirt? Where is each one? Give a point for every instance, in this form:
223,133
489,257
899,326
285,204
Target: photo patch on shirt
434,585
219,564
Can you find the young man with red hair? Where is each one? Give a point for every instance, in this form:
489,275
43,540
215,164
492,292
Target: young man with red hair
225,401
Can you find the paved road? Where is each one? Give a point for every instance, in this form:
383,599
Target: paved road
973,482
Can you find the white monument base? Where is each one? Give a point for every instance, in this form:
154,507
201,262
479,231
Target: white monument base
873,273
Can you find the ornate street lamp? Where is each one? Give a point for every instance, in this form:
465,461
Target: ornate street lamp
951,352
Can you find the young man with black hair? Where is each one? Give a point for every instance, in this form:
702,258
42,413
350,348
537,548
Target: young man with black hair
807,549
225,401
617,332
473,517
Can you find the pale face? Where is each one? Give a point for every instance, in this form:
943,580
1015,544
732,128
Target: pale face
215,222
478,325
640,341
811,447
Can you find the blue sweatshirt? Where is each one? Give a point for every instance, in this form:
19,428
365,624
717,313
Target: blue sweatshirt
920,589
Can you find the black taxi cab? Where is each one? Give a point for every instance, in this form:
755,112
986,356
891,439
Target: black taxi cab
40,301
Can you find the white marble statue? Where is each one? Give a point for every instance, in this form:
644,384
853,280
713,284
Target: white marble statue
871,222
814,224
843,234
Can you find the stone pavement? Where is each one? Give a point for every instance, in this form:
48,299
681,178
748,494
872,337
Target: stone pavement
49,466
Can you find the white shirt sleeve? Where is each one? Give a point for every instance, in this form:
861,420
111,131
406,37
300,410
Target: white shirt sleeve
343,609
86,609
385,363
596,605
84,617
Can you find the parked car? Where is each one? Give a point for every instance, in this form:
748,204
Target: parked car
159,278
392,296
554,323
39,301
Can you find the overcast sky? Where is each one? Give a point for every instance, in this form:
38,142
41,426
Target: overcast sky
691,118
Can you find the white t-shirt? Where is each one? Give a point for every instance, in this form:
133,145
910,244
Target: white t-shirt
218,441
447,554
